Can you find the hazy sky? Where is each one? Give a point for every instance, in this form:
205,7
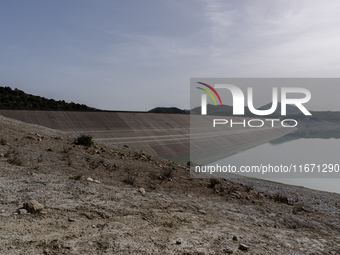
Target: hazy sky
135,55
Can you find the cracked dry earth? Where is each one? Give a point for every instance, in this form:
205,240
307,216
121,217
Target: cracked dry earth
175,214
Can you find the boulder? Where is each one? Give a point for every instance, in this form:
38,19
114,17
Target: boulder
33,206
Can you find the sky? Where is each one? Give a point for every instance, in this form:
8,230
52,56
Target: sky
136,55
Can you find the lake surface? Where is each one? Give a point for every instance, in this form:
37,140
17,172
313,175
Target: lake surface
320,146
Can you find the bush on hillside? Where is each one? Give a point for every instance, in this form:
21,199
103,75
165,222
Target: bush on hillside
84,140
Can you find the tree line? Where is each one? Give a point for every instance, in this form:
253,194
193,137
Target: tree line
18,99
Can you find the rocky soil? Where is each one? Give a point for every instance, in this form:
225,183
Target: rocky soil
103,200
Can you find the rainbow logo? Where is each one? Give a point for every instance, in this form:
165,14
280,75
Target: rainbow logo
209,93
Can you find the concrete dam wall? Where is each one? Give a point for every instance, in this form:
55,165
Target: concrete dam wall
165,135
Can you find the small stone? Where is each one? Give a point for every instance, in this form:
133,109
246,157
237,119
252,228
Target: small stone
2,155
89,179
93,226
39,139
234,238
2,211
71,220
228,250
243,247
142,191
96,181
278,246
202,211
33,206
22,211
178,242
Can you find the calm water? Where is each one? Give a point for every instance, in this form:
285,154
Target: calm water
318,147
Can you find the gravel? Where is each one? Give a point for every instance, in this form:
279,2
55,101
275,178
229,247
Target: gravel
322,201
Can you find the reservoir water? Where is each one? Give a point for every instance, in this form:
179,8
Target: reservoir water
320,146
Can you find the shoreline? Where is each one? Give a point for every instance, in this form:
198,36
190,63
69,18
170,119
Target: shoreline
323,201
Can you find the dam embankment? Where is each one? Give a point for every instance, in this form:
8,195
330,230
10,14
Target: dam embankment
165,135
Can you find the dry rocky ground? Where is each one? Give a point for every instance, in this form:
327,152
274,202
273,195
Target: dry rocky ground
139,204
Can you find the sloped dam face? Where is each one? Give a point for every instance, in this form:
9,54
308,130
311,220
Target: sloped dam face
165,135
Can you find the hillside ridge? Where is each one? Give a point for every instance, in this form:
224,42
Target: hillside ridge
18,99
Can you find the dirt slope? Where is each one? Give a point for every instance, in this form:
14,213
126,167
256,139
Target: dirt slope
176,215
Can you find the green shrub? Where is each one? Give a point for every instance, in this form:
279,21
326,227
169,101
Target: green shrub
85,140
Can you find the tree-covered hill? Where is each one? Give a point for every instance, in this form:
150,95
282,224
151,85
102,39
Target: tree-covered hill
168,110
18,99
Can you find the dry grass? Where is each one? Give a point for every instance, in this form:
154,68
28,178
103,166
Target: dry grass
281,198
130,179
40,158
168,173
213,183
3,141
248,188
230,189
12,152
15,161
66,150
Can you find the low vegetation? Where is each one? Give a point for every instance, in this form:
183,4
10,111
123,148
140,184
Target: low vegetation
130,179
3,141
85,140
18,99
173,110
281,198
213,182
15,161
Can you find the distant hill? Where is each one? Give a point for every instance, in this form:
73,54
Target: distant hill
168,110
18,99
226,110
292,112
289,108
